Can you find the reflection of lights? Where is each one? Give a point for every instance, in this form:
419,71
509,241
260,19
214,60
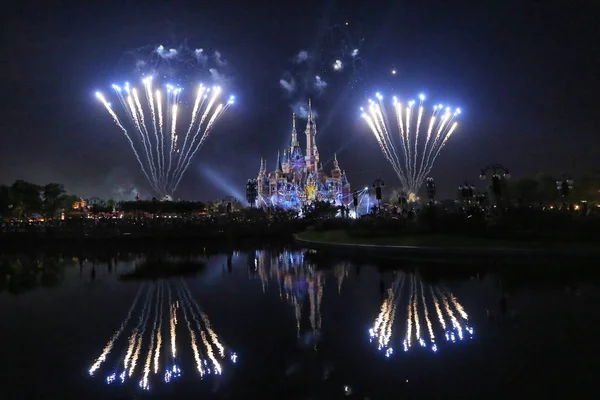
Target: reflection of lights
451,317
297,280
146,338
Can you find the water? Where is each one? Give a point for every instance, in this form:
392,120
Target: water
271,323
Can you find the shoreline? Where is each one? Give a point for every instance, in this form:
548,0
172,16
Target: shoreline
446,251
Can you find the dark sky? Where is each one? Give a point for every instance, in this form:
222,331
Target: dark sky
524,73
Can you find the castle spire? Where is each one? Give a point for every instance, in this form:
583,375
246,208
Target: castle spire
294,134
336,165
278,169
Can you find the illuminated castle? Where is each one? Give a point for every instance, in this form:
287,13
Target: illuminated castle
299,179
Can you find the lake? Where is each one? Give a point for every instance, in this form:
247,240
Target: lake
286,323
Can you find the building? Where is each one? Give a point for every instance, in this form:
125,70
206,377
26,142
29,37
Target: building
299,178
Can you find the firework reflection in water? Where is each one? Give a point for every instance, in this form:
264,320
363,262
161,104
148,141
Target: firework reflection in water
431,315
150,352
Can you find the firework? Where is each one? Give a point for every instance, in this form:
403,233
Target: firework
152,130
414,158
430,313
156,336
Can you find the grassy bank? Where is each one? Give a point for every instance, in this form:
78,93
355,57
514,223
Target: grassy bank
429,240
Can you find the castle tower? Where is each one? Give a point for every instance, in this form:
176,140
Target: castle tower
312,154
336,172
294,142
285,162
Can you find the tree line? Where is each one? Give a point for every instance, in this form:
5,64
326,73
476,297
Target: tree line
533,190
22,199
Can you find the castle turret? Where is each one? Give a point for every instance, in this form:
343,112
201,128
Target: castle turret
285,162
312,154
336,172
294,142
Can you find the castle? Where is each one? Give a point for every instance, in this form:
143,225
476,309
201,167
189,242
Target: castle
299,179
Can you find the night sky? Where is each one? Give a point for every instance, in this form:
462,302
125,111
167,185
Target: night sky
524,73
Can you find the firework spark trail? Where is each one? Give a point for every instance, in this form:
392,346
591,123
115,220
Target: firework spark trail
408,146
207,344
420,116
159,329
164,163
135,333
216,114
151,349
387,330
111,343
184,155
150,99
136,124
438,309
144,130
380,140
120,125
161,132
172,328
427,320
417,160
386,139
442,136
437,153
458,307
186,307
206,321
450,313
428,139
140,339
403,139
416,311
409,320
197,104
207,130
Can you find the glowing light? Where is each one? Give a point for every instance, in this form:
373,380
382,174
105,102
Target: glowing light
416,306
162,159
413,160
151,315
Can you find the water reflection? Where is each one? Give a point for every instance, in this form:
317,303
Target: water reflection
411,299
299,282
20,274
156,335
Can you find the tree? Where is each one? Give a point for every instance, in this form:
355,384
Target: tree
26,198
67,201
5,201
527,191
53,194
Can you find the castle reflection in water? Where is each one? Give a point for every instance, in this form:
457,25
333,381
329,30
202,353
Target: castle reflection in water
299,283
165,321
413,313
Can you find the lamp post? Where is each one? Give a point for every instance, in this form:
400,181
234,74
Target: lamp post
565,186
481,199
430,186
498,173
355,202
378,184
251,191
466,192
